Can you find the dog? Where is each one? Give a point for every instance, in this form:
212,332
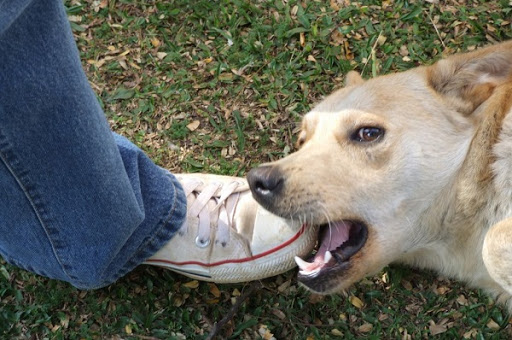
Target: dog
413,167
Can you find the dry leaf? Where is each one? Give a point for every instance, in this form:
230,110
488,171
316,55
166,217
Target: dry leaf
316,298
265,333
128,329
365,328
226,76
470,334
284,286
382,317
338,4
493,325
212,301
311,58
436,328
192,284
302,38
155,42
178,301
194,125
75,18
337,37
354,300
407,285
280,314
381,40
336,332
442,290
161,55
462,300
294,10
214,290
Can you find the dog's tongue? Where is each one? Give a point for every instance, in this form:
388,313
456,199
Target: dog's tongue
336,234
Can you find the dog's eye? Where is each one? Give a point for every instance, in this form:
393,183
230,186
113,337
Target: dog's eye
367,134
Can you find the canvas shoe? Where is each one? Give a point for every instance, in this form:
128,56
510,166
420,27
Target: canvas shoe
228,237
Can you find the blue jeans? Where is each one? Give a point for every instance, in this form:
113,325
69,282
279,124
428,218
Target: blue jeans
77,202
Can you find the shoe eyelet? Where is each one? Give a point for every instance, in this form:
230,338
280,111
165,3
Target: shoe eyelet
202,243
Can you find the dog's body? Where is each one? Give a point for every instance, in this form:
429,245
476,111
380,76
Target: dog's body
414,167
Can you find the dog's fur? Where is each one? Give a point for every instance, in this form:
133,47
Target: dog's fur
434,191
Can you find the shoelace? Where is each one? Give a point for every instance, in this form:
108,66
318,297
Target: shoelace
213,210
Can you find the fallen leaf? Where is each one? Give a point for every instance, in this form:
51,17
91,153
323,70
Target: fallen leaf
155,42
214,290
302,39
226,76
316,298
161,55
212,301
194,125
470,334
382,317
493,325
462,300
442,290
336,332
354,300
280,314
265,333
436,328
191,284
381,40
365,328
284,286
407,285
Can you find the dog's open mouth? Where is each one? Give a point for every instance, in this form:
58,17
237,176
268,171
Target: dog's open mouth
337,242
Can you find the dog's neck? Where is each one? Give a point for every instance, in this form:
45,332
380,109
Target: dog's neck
472,202
474,184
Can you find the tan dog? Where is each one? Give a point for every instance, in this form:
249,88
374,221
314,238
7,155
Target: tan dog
414,167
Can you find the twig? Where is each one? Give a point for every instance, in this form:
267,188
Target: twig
218,325
437,31
372,52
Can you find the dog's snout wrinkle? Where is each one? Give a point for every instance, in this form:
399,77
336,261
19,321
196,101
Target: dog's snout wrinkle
266,183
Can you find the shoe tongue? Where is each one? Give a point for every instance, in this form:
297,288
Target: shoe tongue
335,235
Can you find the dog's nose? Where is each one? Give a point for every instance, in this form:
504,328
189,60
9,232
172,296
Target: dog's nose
266,182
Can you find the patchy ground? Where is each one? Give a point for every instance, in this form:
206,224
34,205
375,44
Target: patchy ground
219,86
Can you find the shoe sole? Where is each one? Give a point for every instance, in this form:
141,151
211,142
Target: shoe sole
272,262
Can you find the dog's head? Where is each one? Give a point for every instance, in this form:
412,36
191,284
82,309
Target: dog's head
374,157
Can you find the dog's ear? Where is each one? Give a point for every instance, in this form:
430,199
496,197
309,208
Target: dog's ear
353,78
468,80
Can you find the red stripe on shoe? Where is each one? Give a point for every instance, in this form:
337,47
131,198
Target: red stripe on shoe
268,252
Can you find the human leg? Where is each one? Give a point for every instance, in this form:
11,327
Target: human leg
80,204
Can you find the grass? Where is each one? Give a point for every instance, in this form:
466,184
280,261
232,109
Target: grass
220,86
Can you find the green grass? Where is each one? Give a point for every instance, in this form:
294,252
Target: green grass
246,71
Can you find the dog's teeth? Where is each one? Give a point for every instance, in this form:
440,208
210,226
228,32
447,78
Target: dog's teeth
311,273
301,263
327,256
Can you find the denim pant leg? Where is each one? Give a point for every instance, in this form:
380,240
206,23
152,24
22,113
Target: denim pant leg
77,202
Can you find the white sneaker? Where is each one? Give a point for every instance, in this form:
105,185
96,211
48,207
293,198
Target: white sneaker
228,237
